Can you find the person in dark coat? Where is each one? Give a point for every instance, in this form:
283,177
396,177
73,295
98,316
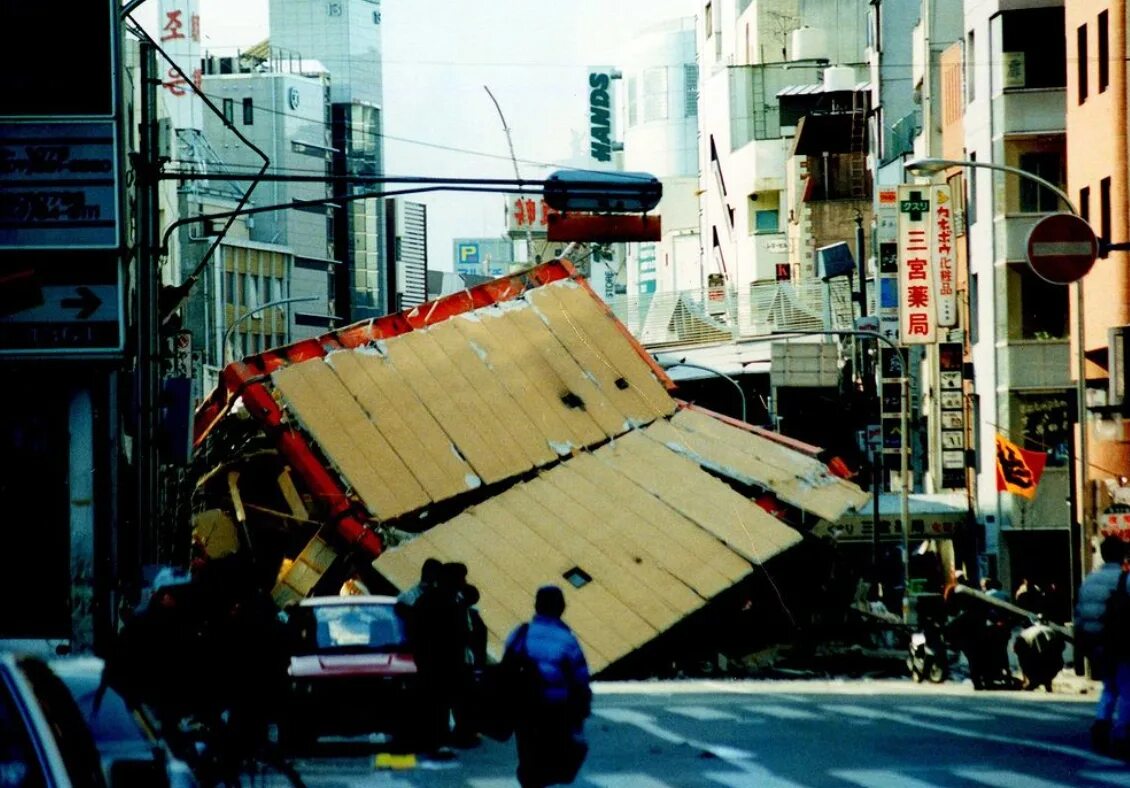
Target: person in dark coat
552,705
1093,639
439,636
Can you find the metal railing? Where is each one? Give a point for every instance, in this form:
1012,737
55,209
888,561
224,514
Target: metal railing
727,314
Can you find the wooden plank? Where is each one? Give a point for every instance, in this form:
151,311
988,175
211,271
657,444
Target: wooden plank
606,338
570,526
544,410
574,336
236,498
609,418
290,494
405,423
698,496
675,543
583,430
438,397
516,425
603,521
299,579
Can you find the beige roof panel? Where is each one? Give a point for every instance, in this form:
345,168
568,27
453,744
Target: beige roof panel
600,344
405,422
655,550
746,457
715,506
314,395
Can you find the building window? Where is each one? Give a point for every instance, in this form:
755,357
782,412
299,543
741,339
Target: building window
970,77
1034,198
229,110
1034,48
690,90
1104,51
1104,209
708,19
1085,203
764,212
248,112
1081,61
1043,307
1045,422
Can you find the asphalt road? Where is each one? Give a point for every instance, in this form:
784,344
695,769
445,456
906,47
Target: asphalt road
875,734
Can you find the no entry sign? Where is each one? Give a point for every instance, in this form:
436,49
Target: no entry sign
1062,248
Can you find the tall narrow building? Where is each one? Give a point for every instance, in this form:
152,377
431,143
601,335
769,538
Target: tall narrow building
345,36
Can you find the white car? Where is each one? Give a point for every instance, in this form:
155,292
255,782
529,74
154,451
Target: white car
43,738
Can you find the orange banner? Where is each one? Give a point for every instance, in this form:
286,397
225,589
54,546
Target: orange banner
1018,470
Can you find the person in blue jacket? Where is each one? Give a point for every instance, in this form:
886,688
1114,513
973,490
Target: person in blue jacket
1097,638
552,698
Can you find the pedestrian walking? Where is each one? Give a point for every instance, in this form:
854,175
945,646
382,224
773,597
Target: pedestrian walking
551,697
1102,639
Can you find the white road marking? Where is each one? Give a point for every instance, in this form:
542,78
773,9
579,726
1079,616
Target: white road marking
752,776
1006,779
625,780
945,714
1121,777
879,778
857,711
702,713
492,782
781,712
1029,714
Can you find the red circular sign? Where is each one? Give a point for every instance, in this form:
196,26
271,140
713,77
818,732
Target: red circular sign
1062,248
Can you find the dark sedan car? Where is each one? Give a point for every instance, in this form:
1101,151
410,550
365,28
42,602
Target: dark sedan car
351,670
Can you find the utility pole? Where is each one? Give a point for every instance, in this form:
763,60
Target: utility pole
146,373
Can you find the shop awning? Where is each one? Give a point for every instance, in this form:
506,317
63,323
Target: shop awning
932,516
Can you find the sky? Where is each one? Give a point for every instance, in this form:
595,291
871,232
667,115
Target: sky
438,55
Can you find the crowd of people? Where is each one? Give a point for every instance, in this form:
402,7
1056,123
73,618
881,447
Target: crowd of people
541,686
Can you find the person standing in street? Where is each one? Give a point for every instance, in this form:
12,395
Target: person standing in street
551,699
1104,642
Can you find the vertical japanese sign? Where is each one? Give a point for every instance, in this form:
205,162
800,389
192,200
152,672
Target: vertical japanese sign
887,259
941,252
179,33
917,316
951,415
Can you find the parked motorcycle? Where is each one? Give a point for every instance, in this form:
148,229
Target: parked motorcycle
928,659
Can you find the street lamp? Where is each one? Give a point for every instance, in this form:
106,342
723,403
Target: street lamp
931,166
681,363
904,440
260,308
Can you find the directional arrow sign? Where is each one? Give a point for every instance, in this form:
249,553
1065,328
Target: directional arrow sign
86,302
79,312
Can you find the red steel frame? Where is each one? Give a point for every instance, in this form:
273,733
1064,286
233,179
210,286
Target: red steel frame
248,379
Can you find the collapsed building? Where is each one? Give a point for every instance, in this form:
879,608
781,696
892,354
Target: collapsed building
516,427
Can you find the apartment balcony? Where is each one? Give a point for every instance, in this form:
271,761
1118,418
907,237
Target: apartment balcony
1031,363
1030,110
1010,241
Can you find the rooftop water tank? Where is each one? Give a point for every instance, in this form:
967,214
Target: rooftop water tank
839,78
809,43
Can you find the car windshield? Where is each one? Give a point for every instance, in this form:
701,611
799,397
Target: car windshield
109,718
375,627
